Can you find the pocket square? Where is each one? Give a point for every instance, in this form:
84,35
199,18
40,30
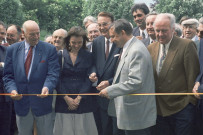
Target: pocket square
116,55
42,61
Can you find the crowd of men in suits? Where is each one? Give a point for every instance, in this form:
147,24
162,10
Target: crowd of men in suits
157,56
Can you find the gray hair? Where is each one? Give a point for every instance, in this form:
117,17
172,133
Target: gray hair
201,20
91,18
171,17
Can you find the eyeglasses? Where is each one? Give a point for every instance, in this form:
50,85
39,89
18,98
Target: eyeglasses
103,24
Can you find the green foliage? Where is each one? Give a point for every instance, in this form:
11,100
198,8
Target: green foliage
191,8
11,12
119,8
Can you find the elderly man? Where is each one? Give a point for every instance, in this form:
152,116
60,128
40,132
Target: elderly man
88,20
150,29
190,31
134,74
31,67
58,38
139,12
176,66
13,34
93,32
200,28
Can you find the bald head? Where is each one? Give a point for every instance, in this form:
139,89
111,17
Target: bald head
13,34
58,38
31,32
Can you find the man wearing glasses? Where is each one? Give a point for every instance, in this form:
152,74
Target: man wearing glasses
105,57
139,12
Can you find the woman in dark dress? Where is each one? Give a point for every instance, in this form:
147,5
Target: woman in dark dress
74,114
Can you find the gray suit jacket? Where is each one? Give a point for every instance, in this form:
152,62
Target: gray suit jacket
134,75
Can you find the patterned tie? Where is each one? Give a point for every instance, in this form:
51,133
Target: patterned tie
107,49
162,57
28,60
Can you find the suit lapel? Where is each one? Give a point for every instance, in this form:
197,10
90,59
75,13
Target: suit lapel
169,59
67,58
155,57
122,61
113,51
79,57
37,57
21,59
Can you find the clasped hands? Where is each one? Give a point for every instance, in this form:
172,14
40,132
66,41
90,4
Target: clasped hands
101,87
72,103
16,96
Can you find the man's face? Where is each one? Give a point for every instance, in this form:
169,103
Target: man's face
116,38
163,30
104,23
139,18
2,33
12,35
32,35
189,31
93,31
200,31
58,38
149,25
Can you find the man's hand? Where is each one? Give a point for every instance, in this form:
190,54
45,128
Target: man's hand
71,103
102,85
139,37
93,77
103,93
44,93
195,90
15,95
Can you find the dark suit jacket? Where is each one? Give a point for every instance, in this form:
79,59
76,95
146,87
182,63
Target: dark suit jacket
136,31
44,73
105,69
178,74
2,57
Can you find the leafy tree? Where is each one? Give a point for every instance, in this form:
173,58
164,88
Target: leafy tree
11,12
119,8
191,8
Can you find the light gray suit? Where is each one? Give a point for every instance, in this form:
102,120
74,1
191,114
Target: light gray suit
134,75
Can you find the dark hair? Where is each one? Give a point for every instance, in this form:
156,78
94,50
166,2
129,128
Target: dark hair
3,24
76,31
120,25
18,28
141,6
106,14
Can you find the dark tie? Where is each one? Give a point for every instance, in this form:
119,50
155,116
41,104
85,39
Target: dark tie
162,57
28,60
119,58
143,35
107,49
